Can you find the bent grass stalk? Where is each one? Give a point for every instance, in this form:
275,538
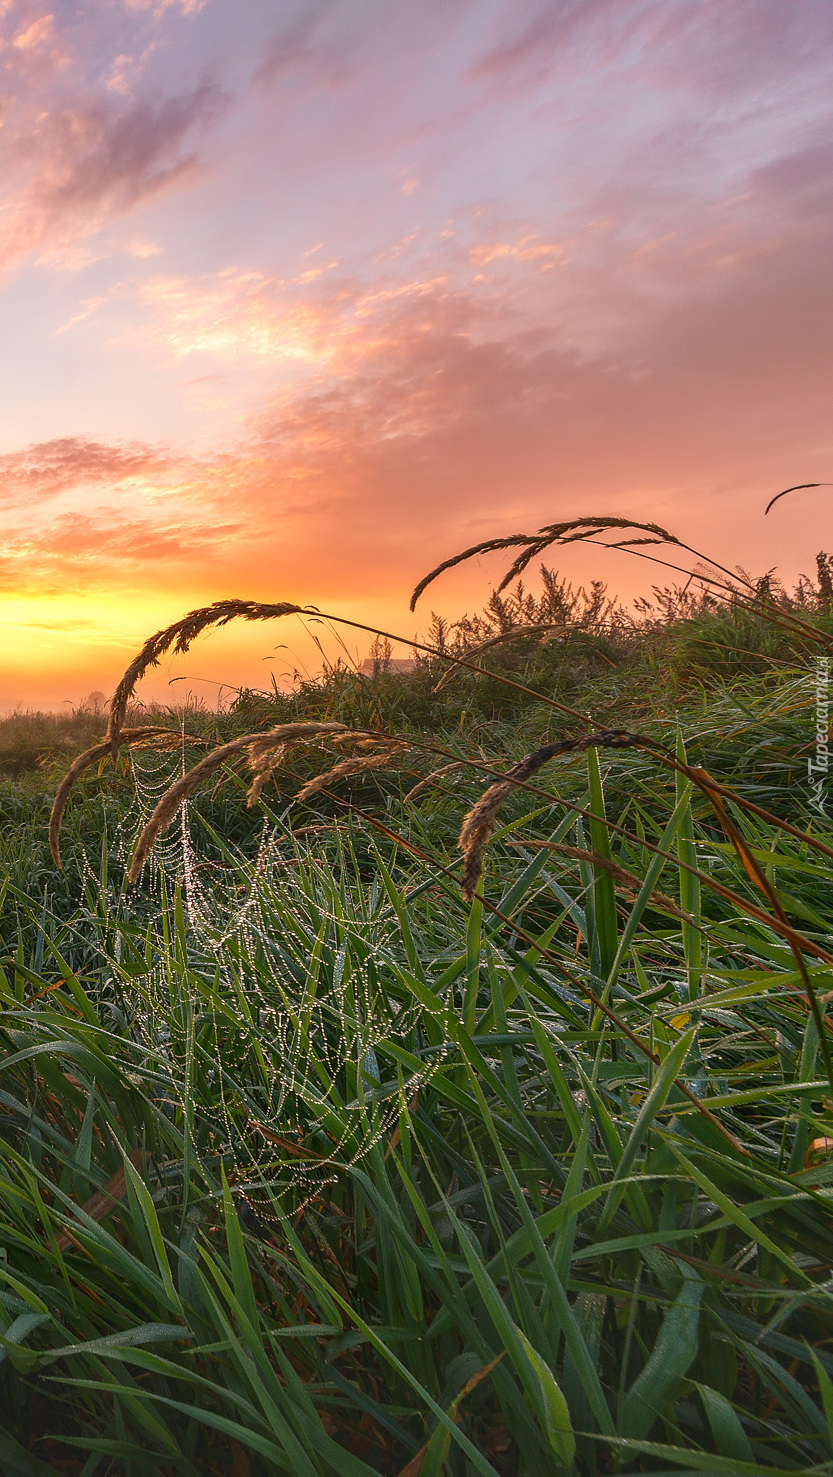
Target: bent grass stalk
260,743
586,529
161,739
580,985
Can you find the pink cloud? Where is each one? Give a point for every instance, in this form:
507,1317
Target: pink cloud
106,160
74,154
157,8
530,48
143,249
232,313
722,51
300,47
703,45
48,468
79,553
547,254
35,34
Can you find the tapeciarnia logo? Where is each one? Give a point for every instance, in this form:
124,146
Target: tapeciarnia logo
818,765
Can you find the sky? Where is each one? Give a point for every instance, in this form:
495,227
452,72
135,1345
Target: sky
300,297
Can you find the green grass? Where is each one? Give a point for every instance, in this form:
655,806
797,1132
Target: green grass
397,1180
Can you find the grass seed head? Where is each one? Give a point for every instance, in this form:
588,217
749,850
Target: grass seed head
263,761
479,823
534,544
173,798
178,637
356,765
146,738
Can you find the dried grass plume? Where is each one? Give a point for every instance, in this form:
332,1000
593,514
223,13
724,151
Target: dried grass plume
276,738
161,739
479,824
534,544
178,637
385,752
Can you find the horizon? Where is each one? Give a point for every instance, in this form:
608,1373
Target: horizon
328,648
299,303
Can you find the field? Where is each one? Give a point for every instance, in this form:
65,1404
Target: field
318,1162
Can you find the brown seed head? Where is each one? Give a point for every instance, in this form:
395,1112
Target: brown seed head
356,765
145,738
479,823
534,544
174,797
179,637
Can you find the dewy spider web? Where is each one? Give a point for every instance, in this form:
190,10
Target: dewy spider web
287,1002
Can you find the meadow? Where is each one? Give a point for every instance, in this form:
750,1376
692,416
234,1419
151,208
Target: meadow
327,1152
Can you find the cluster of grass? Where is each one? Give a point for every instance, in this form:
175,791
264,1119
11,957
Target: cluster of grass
32,741
373,1180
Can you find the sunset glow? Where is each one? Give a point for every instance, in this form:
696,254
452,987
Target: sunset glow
299,299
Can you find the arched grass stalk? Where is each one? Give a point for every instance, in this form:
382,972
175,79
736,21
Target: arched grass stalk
585,530
799,487
480,822
179,637
255,745
573,530
479,825
163,740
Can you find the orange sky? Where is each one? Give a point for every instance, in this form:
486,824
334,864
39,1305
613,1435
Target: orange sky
299,299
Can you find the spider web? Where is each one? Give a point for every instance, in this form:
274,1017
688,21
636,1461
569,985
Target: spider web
275,985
